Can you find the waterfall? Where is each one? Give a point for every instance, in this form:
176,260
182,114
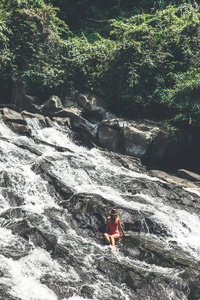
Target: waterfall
55,196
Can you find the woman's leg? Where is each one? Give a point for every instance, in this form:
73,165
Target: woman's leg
107,236
113,237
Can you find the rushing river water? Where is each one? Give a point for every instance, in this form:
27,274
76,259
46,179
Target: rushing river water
55,196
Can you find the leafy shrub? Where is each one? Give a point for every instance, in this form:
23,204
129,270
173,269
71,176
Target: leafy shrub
146,65
32,46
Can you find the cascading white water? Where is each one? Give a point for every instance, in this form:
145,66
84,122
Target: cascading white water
84,171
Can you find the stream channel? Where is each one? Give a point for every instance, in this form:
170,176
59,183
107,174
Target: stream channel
54,200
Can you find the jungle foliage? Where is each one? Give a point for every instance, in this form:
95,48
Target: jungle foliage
30,44
143,59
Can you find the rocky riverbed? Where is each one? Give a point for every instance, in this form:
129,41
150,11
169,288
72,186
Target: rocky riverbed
55,197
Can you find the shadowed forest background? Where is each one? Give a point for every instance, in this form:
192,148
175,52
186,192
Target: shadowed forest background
141,57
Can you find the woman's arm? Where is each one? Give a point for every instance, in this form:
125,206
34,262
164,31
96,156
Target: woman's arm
121,229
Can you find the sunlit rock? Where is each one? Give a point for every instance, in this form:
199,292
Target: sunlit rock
12,116
189,175
132,138
26,114
174,179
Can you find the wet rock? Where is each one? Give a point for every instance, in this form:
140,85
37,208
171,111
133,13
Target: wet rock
104,135
58,286
21,129
61,252
29,227
134,281
160,288
12,116
4,292
188,175
20,249
129,162
19,226
154,252
87,214
87,129
40,117
56,185
87,292
149,226
41,238
173,179
132,138
6,180
30,148
13,213
193,277
142,282
112,270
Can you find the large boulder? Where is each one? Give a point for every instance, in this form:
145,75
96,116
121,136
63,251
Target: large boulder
26,226
137,138
109,137
52,105
14,120
10,115
93,107
132,138
173,179
87,129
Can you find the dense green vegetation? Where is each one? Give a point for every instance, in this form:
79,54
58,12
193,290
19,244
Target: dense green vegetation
142,57
30,43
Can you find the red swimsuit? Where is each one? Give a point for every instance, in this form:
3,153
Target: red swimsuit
113,228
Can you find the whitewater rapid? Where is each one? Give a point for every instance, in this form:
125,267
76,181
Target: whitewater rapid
84,171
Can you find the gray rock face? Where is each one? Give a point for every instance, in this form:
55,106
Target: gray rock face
126,137
87,129
89,118
132,138
137,138
109,138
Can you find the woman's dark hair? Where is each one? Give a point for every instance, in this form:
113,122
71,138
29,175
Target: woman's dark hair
114,212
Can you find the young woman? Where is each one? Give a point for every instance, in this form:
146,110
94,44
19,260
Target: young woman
113,226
